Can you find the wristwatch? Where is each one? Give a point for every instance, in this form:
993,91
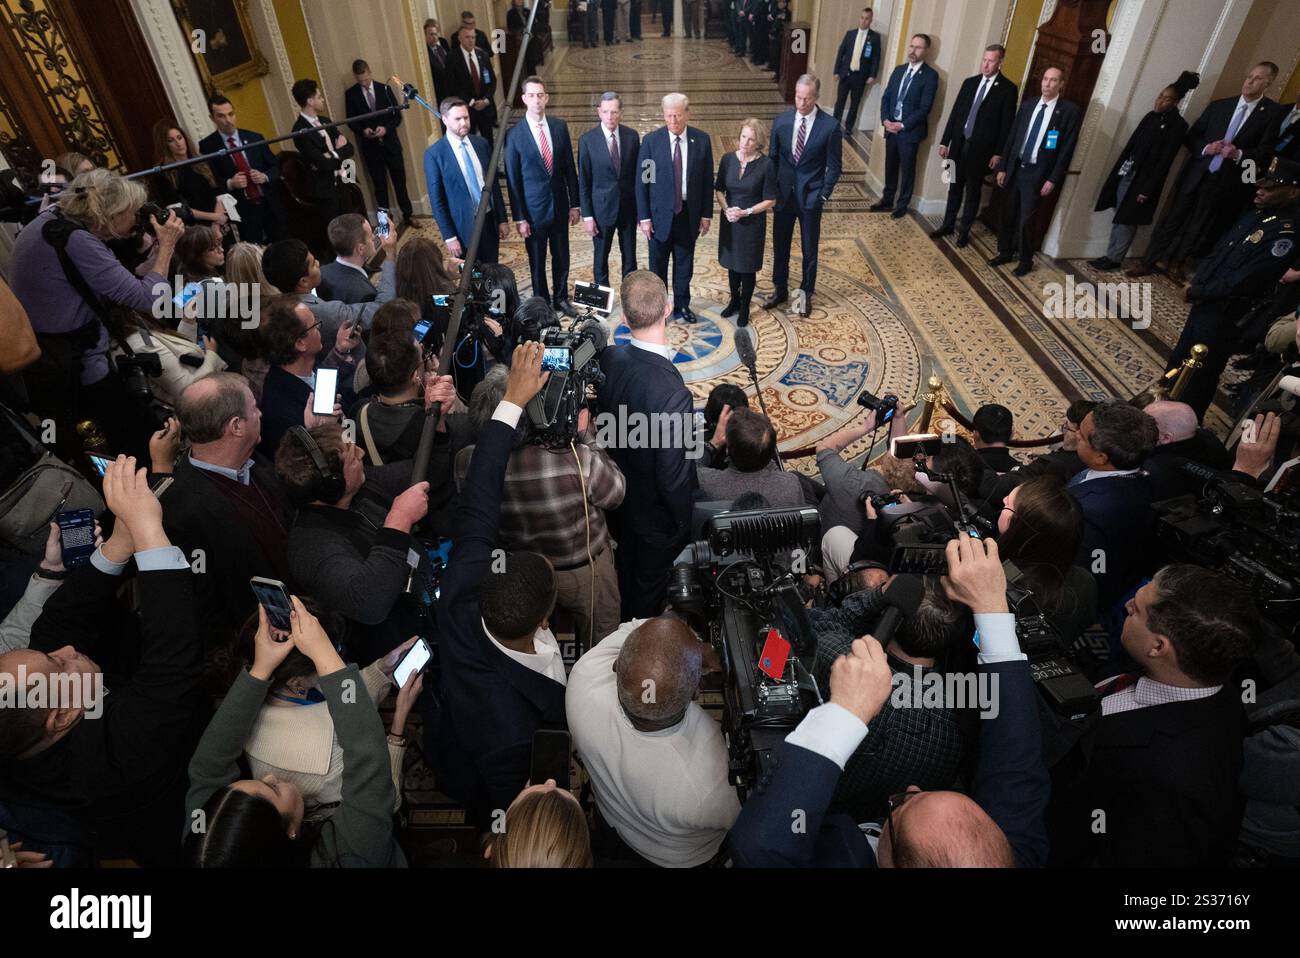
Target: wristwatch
399,740
749,211
44,573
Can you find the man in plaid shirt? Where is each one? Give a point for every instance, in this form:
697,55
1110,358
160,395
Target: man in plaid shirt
542,511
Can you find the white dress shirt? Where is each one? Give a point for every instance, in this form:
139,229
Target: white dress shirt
1089,474
327,134
1147,692
537,136
545,659
810,119
1241,102
472,64
667,352
613,138
684,137
903,84
666,793
1048,107
454,142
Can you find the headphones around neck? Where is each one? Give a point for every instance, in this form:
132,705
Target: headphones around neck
328,486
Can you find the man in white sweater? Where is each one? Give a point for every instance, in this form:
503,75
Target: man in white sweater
657,761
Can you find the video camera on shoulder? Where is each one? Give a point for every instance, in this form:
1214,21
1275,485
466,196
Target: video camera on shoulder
571,356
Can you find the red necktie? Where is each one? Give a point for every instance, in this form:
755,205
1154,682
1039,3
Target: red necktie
252,191
478,79
546,147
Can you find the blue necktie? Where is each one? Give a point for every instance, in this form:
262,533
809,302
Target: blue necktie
969,129
1233,127
1032,139
902,94
471,178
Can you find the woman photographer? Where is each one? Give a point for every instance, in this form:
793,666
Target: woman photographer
260,823
67,300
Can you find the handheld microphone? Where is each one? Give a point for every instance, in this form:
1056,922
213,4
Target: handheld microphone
902,599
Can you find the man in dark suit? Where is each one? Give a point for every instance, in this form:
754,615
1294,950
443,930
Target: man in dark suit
1288,136
1181,441
1212,190
498,682
674,197
993,425
653,523
1000,823
453,170
475,82
1115,495
905,116
976,131
607,170
326,154
439,59
467,19
807,150
1162,760
1033,165
857,67
252,176
224,506
381,147
543,184
346,278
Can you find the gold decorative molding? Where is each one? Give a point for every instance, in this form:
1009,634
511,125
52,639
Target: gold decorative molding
237,24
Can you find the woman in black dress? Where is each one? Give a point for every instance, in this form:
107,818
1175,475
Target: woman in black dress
746,187
192,185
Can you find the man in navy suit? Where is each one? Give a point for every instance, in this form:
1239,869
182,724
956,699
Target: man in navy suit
1115,495
252,176
1034,162
454,170
1212,189
807,151
543,185
973,138
607,186
1000,824
653,523
469,69
1288,137
857,67
381,148
905,117
500,679
674,197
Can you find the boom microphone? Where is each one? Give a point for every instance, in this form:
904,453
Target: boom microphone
745,347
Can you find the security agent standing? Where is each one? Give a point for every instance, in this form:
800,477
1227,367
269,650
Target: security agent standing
1243,269
857,66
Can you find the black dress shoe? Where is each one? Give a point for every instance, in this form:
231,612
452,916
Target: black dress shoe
942,231
1024,269
881,207
1104,264
688,316
776,299
1001,260
731,309
963,240
898,214
566,307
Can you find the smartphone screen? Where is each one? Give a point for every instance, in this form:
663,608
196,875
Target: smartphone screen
327,381
187,293
550,757
381,217
100,464
77,532
416,658
422,330
272,596
555,358
441,300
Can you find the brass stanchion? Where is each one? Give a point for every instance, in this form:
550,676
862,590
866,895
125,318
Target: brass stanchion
929,402
1190,365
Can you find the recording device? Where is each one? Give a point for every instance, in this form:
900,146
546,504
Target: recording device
77,536
1245,534
136,370
738,586
599,299
571,356
383,225
415,659
272,596
422,331
884,408
327,381
920,444
880,500
142,222
921,535
1065,690
99,463
551,749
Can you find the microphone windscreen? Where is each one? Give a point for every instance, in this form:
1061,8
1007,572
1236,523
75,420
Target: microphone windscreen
905,594
745,347
595,330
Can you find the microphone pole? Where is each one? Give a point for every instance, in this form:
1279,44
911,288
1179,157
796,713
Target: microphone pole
420,466
745,347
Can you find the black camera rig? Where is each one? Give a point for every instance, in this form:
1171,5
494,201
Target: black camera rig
571,356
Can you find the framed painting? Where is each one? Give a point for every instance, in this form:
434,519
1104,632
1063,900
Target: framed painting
222,41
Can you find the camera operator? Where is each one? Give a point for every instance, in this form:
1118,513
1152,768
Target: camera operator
751,451
999,825
846,485
554,504
1162,760
353,565
723,398
910,744
66,277
1180,439
501,673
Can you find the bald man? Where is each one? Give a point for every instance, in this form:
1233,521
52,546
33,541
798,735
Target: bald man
657,761
1000,824
1182,440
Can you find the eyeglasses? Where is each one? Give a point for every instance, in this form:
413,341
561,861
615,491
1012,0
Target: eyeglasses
307,331
1068,426
896,801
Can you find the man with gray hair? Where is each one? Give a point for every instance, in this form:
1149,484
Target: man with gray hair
607,171
674,197
657,761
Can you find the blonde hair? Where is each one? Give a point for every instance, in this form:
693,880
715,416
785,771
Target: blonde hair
544,829
95,198
759,129
244,265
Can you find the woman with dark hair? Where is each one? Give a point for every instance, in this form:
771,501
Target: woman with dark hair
1039,530
250,823
1136,181
199,254
193,185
